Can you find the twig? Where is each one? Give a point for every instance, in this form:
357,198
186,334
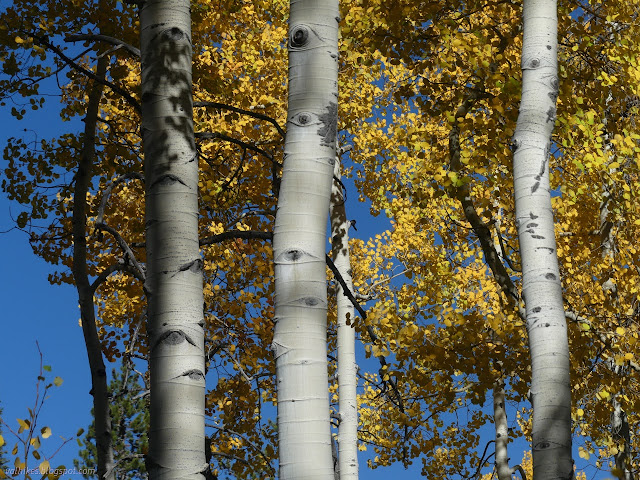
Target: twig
103,38
231,108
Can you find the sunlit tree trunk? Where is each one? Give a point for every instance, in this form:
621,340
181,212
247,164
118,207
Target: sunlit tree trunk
99,386
541,286
299,243
174,277
347,367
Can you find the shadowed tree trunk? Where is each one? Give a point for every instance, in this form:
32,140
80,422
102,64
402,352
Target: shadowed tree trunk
174,276
99,387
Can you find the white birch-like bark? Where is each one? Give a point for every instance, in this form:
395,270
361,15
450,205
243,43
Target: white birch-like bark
502,431
541,286
174,277
299,243
347,366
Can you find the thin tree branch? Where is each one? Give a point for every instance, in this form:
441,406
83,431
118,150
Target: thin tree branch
121,266
44,41
248,146
231,108
236,234
103,38
128,253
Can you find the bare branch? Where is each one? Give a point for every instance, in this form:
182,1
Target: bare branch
103,38
44,41
128,253
231,108
248,146
121,266
236,234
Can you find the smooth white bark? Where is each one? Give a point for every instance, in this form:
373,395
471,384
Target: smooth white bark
541,286
502,431
299,243
347,366
174,278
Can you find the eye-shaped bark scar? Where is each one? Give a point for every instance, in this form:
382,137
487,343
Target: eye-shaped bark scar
303,36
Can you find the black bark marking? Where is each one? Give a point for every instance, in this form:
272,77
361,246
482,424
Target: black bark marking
299,36
549,47
329,121
532,225
167,179
535,187
174,34
311,301
173,338
293,255
550,276
195,266
539,237
537,310
194,374
303,119
532,216
551,114
534,63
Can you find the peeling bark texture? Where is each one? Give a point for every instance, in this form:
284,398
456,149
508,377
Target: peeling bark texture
174,277
99,387
347,366
299,242
541,286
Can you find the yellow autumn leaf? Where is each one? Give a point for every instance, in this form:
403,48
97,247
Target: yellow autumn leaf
44,467
583,453
24,425
46,432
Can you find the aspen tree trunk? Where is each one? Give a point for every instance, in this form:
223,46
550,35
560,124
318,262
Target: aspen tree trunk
347,366
99,387
502,431
541,286
174,276
299,243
